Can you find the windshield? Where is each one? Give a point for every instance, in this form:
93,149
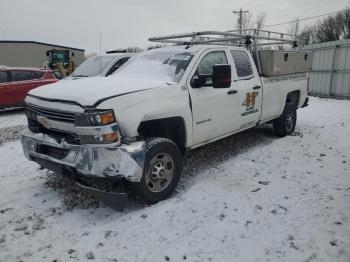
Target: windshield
60,57
163,65
93,66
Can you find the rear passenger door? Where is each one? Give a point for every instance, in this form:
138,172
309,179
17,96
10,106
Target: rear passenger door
5,89
22,81
247,83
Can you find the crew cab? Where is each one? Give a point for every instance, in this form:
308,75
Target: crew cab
16,82
101,65
138,124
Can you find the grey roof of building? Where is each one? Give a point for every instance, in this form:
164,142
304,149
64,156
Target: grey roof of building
40,43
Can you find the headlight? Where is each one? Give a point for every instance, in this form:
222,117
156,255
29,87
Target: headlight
97,127
95,118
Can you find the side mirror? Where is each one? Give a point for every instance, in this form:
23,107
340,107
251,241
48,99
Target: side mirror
221,76
198,81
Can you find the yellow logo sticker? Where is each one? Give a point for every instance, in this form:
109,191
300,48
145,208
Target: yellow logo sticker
249,101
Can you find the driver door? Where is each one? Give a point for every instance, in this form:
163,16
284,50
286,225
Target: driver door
212,108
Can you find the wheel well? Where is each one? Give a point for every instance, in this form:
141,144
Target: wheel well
172,128
293,98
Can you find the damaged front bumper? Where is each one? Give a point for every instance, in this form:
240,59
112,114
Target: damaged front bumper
122,161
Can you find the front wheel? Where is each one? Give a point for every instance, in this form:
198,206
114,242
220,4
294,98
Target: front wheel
285,124
161,172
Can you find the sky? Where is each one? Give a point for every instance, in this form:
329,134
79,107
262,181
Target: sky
129,23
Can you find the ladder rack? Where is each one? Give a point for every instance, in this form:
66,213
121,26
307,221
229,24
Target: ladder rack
250,38
226,37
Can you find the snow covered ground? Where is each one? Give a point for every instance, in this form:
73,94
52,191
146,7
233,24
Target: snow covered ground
250,197
12,118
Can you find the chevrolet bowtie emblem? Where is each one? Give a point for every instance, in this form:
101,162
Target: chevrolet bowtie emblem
44,121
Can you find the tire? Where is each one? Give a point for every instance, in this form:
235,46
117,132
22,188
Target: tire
285,124
161,173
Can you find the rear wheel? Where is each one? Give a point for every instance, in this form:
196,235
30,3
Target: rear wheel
285,124
161,172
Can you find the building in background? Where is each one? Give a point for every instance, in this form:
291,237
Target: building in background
32,53
330,74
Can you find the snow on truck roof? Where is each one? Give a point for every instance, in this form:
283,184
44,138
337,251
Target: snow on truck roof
118,54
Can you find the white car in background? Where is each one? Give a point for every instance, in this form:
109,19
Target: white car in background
103,65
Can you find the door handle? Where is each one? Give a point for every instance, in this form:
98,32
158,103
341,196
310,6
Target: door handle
256,87
230,92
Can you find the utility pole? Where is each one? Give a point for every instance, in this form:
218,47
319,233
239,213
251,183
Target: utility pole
240,18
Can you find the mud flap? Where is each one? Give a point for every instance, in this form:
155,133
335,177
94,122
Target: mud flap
306,103
116,201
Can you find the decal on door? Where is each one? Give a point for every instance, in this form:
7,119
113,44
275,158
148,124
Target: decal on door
249,103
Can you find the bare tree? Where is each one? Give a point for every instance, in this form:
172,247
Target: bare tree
155,46
260,20
294,27
246,21
133,49
346,20
308,35
331,28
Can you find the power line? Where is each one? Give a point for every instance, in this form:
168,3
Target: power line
306,18
322,5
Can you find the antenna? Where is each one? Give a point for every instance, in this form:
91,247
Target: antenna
100,52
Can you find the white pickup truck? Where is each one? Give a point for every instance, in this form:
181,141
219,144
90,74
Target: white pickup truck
136,125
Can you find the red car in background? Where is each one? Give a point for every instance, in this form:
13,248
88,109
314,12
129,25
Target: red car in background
16,82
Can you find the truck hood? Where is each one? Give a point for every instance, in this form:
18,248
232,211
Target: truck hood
88,91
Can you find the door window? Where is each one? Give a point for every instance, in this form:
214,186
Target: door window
209,60
242,63
121,62
3,77
205,68
22,75
38,74
118,64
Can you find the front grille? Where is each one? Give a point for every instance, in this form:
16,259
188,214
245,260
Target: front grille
32,113
50,113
